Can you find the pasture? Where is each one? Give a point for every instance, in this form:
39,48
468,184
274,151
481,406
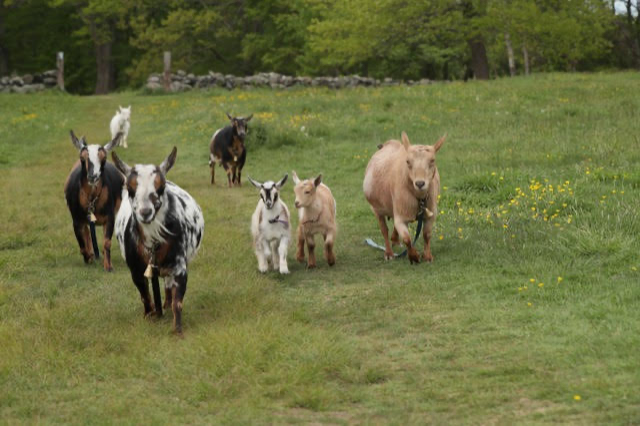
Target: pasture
528,314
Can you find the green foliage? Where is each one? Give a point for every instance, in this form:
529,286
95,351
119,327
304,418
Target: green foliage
386,38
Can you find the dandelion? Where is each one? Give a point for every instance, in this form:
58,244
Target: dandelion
532,280
577,397
529,304
559,279
633,268
541,285
441,237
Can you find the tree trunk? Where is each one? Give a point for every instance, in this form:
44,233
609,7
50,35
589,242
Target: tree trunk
479,61
512,62
105,81
525,53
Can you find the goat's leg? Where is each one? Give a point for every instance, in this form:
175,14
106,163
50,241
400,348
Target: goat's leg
234,175
311,245
300,250
426,234
263,264
275,259
329,239
388,253
282,251
168,293
78,230
178,291
107,234
143,287
227,169
403,231
239,176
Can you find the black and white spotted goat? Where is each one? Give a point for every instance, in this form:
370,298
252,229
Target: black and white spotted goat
159,229
93,191
270,225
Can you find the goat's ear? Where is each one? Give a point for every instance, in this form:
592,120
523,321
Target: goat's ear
120,108
318,180
248,119
282,181
405,141
296,179
230,117
114,142
438,144
129,108
168,162
120,165
255,183
79,144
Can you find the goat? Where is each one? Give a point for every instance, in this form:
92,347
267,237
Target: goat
401,179
93,194
120,123
316,215
270,226
159,229
227,148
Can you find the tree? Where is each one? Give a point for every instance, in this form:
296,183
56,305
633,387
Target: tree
101,19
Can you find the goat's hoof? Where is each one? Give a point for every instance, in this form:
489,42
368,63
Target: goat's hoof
284,271
311,266
413,256
331,262
263,270
300,259
108,268
388,256
427,257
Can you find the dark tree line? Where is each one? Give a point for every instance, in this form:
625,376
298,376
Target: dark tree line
112,44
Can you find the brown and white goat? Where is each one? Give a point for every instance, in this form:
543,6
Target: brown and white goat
400,178
316,215
93,191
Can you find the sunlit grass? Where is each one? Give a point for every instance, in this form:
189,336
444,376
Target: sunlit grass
528,314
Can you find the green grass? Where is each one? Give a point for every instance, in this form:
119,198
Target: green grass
467,339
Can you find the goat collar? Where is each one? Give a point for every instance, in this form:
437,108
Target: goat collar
277,220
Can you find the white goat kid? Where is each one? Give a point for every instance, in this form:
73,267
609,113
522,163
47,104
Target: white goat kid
121,123
270,226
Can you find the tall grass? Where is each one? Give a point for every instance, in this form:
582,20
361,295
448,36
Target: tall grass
528,314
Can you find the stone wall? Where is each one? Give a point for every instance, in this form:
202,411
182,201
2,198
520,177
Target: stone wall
29,83
181,81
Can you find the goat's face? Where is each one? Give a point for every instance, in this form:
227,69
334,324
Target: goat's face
146,186
125,113
305,190
93,157
270,190
421,164
240,125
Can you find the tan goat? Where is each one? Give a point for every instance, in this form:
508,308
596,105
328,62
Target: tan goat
316,215
399,178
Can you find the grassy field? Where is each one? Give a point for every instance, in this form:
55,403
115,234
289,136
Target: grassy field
529,313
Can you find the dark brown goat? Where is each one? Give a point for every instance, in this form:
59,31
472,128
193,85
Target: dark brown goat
227,148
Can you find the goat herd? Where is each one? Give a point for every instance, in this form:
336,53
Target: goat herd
159,226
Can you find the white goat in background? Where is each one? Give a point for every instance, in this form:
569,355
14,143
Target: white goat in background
121,123
270,226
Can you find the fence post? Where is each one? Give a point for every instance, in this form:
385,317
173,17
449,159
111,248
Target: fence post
60,68
167,71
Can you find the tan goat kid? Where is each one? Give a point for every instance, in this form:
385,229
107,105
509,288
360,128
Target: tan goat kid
316,215
401,177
